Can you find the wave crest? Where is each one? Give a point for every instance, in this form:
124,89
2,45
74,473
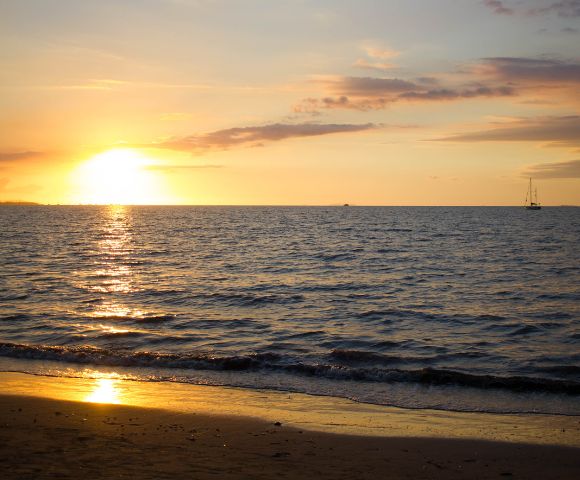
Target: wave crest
273,361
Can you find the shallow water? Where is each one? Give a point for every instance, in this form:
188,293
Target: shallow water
452,308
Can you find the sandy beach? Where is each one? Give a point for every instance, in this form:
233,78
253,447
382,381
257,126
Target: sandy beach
56,438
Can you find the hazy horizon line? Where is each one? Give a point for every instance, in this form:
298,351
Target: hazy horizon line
341,205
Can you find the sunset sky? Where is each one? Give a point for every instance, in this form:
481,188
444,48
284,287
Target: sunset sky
303,102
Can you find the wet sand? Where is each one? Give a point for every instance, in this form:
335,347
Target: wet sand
47,438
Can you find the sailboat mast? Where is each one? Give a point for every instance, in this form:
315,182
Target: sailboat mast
533,201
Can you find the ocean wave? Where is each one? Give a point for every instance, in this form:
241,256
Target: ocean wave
360,356
391,250
333,257
14,317
563,370
396,312
552,315
224,298
559,296
12,297
139,318
409,313
109,357
251,300
372,358
155,318
336,287
311,333
439,377
119,334
525,330
276,362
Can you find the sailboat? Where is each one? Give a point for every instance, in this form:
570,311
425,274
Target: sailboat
532,198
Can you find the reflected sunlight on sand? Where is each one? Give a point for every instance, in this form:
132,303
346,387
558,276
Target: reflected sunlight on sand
106,390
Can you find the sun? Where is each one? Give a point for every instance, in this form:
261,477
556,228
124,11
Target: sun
117,176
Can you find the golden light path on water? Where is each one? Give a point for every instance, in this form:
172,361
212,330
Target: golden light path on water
111,274
115,245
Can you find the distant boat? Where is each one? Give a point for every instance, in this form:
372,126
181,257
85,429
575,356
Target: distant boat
532,199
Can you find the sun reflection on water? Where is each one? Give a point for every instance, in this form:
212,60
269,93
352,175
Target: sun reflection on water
113,330
111,273
112,310
114,248
105,390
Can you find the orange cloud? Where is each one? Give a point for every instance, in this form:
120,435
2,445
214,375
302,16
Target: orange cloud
529,70
569,169
377,58
9,157
254,136
366,64
555,131
490,77
368,93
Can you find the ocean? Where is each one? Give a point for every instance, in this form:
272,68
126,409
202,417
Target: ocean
453,308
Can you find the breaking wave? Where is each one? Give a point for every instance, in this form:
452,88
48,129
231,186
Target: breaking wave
272,361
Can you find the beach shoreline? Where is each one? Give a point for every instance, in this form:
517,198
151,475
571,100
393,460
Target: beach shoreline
69,430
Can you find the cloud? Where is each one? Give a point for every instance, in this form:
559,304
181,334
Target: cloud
8,157
378,57
254,136
489,77
498,7
431,81
540,78
367,65
562,8
382,53
528,70
315,105
569,169
535,79
561,131
363,86
367,93
448,94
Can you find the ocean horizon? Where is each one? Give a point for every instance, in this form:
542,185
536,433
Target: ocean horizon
329,205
